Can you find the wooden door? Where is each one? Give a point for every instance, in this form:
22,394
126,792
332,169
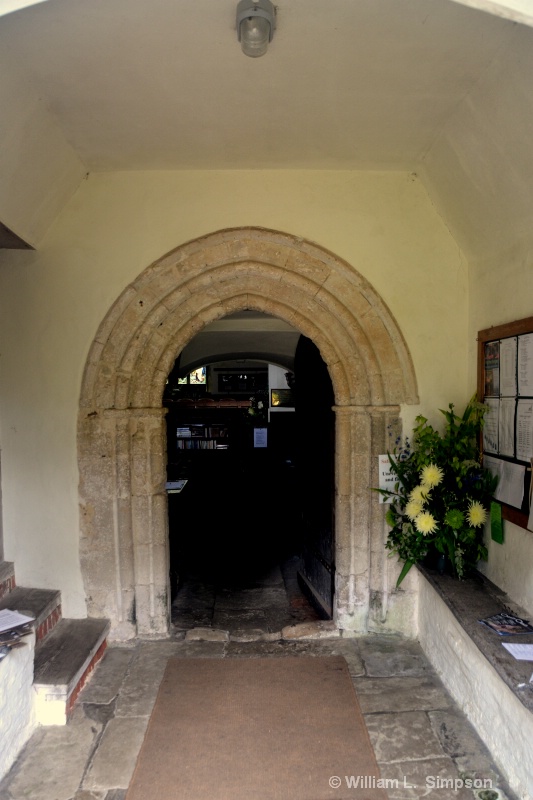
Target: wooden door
315,421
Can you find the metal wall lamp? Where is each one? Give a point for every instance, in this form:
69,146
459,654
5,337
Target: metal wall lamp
256,20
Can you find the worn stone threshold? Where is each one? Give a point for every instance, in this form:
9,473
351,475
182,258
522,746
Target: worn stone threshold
474,599
321,629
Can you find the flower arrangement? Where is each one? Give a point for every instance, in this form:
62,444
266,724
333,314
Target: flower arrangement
258,410
441,499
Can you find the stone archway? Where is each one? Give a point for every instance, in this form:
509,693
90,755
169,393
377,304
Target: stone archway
121,431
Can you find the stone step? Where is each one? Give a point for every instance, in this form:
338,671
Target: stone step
44,605
63,663
7,577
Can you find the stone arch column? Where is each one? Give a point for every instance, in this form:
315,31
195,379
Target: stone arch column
121,431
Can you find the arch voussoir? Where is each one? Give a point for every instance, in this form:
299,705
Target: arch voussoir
121,419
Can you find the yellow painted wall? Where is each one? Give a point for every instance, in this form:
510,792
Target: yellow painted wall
52,301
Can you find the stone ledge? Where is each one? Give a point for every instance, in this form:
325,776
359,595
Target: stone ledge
63,663
477,598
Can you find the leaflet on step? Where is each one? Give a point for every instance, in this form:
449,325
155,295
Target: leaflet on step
9,620
506,624
522,652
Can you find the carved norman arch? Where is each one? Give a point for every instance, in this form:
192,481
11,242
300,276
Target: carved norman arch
121,431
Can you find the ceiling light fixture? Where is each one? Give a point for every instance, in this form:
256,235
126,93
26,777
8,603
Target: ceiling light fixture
256,20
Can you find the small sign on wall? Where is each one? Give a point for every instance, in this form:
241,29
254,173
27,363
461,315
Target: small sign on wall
387,478
260,437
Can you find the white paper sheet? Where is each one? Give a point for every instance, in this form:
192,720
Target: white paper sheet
175,487
490,426
524,430
506,440
508,350
12,619
522,652
260,437
510,488
387,478
525,365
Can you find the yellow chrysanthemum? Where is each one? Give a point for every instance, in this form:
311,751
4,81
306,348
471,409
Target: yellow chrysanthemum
476,514
419,494
413,509
425,523
431,475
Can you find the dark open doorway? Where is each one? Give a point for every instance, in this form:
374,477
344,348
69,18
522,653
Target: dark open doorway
244,532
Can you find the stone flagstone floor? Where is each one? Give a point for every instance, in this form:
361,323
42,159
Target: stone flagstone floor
248,608
418,733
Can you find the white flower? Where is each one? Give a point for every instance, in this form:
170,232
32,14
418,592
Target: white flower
426,523
413,509
419,494
431,475
476,514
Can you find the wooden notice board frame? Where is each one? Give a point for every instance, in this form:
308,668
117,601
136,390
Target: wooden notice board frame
494,334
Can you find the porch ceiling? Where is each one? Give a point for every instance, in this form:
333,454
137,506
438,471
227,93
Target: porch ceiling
164,85
347,84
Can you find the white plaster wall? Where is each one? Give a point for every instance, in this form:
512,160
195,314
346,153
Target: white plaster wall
517,10
494,227
479,175
501,290
277,380
276,377
509,565
52,301
479,691
17,716
479,170
40,171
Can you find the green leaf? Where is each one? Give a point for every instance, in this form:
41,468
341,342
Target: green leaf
406,567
